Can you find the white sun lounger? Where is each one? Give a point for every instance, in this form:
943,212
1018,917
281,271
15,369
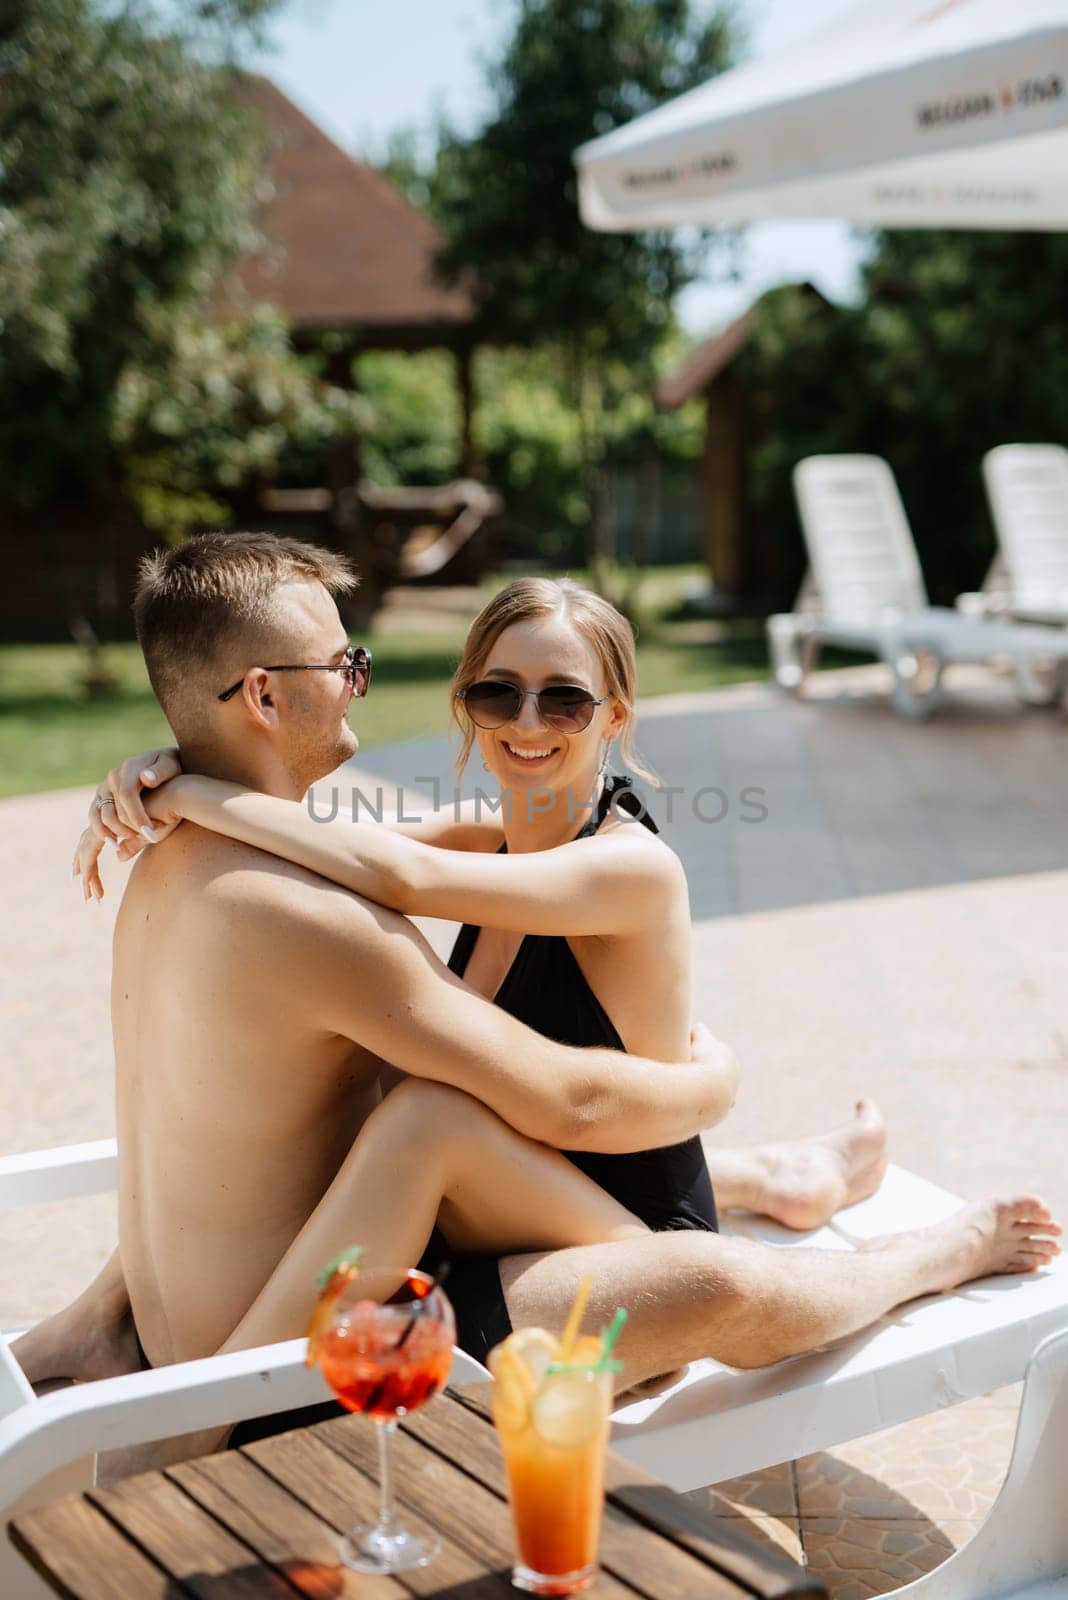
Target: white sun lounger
1021,1550
48,1446
1027,487
711,1424
866,592
717,1423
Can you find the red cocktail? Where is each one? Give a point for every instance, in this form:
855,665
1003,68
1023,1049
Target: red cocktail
383,1341
369,1371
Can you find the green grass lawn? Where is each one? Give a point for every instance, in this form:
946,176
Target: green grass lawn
52,736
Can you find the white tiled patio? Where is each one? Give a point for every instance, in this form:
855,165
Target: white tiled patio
896,925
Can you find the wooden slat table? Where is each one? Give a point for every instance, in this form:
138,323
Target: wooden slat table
264,1522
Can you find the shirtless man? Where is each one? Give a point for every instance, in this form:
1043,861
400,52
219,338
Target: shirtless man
254,1005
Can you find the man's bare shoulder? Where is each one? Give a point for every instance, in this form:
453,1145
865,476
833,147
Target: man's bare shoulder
251,889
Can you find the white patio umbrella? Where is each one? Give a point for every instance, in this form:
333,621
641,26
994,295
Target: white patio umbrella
909,113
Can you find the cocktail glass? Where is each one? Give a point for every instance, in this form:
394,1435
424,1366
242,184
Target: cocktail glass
385,1350
553,1421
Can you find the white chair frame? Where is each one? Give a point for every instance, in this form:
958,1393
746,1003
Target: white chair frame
1027,488
1021,1550
48,1446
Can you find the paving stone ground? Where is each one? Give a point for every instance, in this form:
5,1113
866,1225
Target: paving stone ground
893,926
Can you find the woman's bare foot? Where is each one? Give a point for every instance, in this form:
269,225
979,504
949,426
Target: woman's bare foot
93,1338
987,1237
803,1182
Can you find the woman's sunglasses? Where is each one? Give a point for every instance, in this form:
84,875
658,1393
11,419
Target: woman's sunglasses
563,706
356,664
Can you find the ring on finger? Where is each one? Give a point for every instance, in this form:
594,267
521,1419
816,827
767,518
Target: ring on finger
108,800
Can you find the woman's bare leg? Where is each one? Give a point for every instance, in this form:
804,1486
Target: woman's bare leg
803,1182
429,1156
800,1183
433,1156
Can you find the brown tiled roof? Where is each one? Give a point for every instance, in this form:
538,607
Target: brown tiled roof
700,369
347,249
704,365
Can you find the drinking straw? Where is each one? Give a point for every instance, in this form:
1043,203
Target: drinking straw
556,1369
424,1294
610,1335
574,1320
604,1362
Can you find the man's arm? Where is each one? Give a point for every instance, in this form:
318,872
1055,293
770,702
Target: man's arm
365,973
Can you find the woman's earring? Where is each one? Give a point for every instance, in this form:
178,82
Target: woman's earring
605,754
485,764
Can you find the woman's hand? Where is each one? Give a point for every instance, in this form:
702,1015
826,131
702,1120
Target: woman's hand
708,1051
117,815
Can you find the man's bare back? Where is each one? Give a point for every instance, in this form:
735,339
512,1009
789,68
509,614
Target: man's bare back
234,1107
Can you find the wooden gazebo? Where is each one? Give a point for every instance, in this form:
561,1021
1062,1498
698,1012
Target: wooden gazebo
347,254
351,264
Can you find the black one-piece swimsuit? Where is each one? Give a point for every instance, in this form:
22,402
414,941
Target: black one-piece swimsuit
545,987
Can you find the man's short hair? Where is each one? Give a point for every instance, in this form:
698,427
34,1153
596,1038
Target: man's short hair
206,610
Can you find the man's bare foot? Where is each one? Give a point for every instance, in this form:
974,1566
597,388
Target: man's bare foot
803,1182
987,1237
93,1338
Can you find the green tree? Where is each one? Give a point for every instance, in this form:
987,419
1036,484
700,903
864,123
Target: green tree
507,198
222,407
126,176
129,173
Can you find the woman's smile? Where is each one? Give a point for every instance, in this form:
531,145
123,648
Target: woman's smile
531,757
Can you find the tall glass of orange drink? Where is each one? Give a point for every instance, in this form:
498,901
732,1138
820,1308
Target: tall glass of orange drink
552,1416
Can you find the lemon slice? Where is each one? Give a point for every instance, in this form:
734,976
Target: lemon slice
568,1410
511,1407
585,1352
536,1348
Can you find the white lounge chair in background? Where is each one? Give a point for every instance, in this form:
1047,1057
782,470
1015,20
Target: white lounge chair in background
1027,487
48,1446
866,592
1021,1550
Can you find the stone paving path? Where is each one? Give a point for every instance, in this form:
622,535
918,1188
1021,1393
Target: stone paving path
894,926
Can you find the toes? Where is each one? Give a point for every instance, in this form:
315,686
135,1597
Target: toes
1028,1208
867,1111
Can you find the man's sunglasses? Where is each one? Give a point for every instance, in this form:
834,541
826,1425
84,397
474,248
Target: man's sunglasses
356,664
563,706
